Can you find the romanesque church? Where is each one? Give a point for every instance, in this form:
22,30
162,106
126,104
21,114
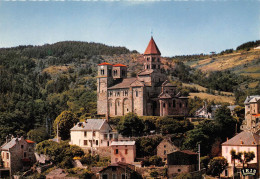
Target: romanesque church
147,94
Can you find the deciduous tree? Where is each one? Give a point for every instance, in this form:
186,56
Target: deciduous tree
65,121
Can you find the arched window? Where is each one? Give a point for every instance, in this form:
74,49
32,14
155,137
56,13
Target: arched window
102,72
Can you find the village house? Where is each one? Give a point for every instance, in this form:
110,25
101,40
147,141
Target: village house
123,151
17,154
244,141
203,112
252,113
181,162
165,147
93,135
148,94
118,171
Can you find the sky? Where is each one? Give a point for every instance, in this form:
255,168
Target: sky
179,27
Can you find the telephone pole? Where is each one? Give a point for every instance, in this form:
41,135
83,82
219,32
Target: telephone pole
199,155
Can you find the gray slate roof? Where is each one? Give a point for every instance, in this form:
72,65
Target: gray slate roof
10,144
90,124
249,98
232,107
123,143
244,138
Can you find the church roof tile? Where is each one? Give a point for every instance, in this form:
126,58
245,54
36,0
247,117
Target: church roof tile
152,48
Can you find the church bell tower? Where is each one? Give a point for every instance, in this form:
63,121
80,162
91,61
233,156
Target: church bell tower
152,56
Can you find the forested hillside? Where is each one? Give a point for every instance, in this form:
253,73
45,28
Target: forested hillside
37,83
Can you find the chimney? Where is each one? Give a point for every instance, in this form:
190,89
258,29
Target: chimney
241,142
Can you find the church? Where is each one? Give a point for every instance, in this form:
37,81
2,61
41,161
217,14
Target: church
148,94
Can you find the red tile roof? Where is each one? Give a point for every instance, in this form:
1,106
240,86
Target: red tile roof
119,65
104,63
152,48
29,141
188,152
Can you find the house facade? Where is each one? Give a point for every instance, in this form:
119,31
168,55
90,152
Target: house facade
123,151
148,94
118,171
252,113
181,162
165,147
244,141
17,154
92,135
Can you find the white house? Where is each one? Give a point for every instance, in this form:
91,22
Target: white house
92,134
244,141
203,113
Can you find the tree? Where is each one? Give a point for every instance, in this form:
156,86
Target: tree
65,122
217,165
169,125
38,135
247,157
225,122
156,160
61,153
205,161
130,125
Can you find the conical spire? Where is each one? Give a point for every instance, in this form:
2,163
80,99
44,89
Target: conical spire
152,48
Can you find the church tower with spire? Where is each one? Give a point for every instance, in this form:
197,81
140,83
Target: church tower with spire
152,56
148,94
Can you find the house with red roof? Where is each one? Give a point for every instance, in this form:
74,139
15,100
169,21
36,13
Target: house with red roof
148,94
17,154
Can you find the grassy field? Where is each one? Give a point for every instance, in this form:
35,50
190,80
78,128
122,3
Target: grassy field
243,62
216,98
56,69
203,89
